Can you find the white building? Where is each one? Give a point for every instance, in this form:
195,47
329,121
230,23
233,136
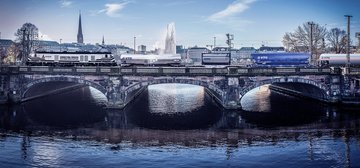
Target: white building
195,54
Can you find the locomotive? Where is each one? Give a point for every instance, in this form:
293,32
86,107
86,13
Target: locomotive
82,58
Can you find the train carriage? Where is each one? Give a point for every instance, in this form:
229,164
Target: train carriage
71,58
338,59
216,58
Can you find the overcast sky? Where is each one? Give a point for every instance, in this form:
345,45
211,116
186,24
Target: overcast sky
253,22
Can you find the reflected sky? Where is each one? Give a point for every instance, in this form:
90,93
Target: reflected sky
97,96
175,98
257,99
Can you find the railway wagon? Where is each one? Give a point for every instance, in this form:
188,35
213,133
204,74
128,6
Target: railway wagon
280,59
71,58
215,58
338,59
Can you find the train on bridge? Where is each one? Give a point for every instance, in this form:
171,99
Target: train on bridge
259,59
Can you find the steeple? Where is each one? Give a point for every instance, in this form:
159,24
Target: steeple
103,41
80,38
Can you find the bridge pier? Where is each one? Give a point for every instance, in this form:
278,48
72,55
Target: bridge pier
231,98
119,97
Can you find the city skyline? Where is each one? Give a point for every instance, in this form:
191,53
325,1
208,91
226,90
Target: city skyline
253,22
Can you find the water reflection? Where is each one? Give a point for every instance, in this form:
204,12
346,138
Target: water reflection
173,106
70,109
266,108
257,100
175,98
70,129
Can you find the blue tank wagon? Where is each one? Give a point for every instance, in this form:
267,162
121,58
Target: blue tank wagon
281,59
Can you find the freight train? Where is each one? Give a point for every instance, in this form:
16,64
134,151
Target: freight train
81,58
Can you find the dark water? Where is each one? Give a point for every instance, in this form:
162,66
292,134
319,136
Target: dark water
177,126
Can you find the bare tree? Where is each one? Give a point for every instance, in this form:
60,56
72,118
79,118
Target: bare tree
337,39
300,39
27,36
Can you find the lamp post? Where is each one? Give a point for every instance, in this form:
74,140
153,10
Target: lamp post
24,47
348,41
134,44
311,41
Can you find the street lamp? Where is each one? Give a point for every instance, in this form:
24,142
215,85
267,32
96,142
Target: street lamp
134,44
348,41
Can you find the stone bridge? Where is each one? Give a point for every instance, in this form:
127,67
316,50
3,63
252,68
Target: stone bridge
226,84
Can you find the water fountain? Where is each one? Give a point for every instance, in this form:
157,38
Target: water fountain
166,54
170,46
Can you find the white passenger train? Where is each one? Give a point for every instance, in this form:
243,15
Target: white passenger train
338,59
71,58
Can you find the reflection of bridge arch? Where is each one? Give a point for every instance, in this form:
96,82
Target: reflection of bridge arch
321,86
95,85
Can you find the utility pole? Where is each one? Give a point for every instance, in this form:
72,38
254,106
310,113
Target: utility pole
134,44
348,41
311,42
214,41
60,45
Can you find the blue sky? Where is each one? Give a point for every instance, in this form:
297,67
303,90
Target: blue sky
253,22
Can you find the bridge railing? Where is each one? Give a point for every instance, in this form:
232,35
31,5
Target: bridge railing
170,71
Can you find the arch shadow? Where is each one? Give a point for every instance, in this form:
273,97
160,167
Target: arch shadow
95,85
322,87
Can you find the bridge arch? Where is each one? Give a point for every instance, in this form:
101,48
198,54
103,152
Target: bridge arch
321,86
210,83
93,84
192,81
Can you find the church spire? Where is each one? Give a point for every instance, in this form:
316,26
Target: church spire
103,41
80,38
